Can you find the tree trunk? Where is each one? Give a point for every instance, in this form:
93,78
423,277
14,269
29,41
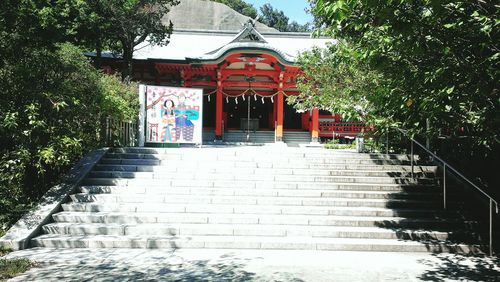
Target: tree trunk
128,52
98,59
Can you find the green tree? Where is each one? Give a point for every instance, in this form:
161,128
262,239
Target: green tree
441,58
51,105
120,25
334,79
296,27
273,17
241,7
277,19
136,21
439,61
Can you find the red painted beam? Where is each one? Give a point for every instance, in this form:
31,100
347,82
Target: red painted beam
245,72
245,84
202,83
240,92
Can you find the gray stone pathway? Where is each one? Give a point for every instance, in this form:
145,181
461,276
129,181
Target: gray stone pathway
252,265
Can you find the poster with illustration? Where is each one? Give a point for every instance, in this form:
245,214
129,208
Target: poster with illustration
173,114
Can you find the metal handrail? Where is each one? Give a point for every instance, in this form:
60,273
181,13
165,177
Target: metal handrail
457,173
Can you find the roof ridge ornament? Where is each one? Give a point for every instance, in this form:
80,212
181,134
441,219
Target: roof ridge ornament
249,33
251,22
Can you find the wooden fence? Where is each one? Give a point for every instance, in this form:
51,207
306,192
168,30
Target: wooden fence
120,133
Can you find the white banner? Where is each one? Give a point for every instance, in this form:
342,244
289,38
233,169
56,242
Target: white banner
173,114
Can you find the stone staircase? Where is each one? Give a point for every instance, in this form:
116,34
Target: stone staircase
258,137
257,198
298,137
208,136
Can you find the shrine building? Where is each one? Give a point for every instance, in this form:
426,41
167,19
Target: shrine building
246,77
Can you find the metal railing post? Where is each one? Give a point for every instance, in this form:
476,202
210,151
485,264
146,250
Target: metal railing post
411,161
447,167
387,141
491,227
444,186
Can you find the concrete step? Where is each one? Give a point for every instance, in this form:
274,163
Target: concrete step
251,152
160,229
262,171
256,137
256,184
224,155
259,219
243,141
262,177
262,209
229,191
229,166
341,164
260,198
249,242
259,158
252,200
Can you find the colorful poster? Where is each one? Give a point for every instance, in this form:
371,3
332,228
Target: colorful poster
173,115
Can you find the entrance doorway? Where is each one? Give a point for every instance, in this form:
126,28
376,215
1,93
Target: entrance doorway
260,113
291,119
209,112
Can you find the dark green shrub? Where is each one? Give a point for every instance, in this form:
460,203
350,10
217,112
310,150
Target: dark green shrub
51,108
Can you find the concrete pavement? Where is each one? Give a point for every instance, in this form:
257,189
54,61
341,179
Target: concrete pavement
251,265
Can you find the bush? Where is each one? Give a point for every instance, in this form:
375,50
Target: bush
52,104
335,144
10,268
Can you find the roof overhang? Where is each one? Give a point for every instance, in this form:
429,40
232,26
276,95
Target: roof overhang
243,48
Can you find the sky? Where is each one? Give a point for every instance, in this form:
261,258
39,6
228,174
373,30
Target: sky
294,9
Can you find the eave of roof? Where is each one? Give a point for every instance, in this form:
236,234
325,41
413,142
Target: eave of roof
187,46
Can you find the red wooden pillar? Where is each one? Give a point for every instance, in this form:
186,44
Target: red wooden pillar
315,125
273,125
218,109
279,110
279,116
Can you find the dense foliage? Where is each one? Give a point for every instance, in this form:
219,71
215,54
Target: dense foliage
337,81
52,103
277,19
240,6
116,25
438,61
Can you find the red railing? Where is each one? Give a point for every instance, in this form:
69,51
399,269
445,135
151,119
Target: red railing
329,127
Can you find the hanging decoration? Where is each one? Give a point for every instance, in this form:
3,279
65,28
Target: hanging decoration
251,92
209,94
